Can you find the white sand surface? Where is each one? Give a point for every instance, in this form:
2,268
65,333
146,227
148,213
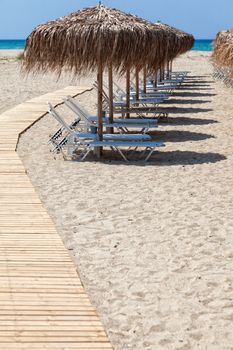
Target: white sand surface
153,244
16,87
10,53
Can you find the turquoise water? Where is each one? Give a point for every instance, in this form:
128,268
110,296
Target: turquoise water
200,45
203,45
11,44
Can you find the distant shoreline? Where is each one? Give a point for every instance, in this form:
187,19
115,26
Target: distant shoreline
14,53
19,44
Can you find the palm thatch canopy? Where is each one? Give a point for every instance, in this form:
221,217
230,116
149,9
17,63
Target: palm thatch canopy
223,48
180,41
82,40
95,37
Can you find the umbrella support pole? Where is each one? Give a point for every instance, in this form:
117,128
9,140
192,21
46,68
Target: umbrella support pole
137,84
144,79
110,93
168,70
155,79
171,67
160,74
127,92
99,150
163,71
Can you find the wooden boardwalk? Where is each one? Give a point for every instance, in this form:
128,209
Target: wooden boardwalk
42,301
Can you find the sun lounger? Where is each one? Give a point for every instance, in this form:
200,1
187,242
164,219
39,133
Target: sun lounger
117,122
73,138
120,101
150,93
140,109
121,96
57,134
117,146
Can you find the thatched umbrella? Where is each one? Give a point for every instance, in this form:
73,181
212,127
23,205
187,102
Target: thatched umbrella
93,38
175,42
222,56
161,57
179,43
223,48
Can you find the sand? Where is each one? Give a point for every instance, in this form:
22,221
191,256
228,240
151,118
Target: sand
6,54
153,244
16,88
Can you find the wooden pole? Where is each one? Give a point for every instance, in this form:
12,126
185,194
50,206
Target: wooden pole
110,92
144,79
171,66
155,79
168,70
160,73
100,105
137,84
163,71
127,92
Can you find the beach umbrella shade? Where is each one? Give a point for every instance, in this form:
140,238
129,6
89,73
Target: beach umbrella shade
179,41
223,48
93,39
176,42
161,58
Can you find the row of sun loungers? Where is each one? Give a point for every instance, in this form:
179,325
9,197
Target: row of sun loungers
80,138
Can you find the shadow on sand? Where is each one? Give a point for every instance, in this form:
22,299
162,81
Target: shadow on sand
159,159
186,121
174,101
183,110
179,136
185,158
192,94
194,81
194,87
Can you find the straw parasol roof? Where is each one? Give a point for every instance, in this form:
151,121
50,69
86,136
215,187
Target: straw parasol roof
83,39
223,48
180,41
95,37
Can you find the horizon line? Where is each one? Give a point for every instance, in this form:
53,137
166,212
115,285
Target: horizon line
26,38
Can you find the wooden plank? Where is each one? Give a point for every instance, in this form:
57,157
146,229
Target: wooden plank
64,341
55,345
42,301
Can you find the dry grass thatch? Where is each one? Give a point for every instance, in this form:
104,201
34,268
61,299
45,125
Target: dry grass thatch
223,49
82,40
180,41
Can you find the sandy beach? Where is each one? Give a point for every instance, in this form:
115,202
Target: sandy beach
6,54
152,244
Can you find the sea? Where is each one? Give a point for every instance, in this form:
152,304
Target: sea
203,45
12,44
200,45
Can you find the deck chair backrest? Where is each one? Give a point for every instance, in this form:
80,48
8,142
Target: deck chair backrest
105,98
81,108
57,116
133,87
118,90
115,93
76,108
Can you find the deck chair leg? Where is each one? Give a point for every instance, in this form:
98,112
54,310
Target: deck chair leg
133,151
85,154
121,153
143,152
144,130
149,155
121,130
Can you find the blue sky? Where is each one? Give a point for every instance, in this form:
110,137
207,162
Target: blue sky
203,18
